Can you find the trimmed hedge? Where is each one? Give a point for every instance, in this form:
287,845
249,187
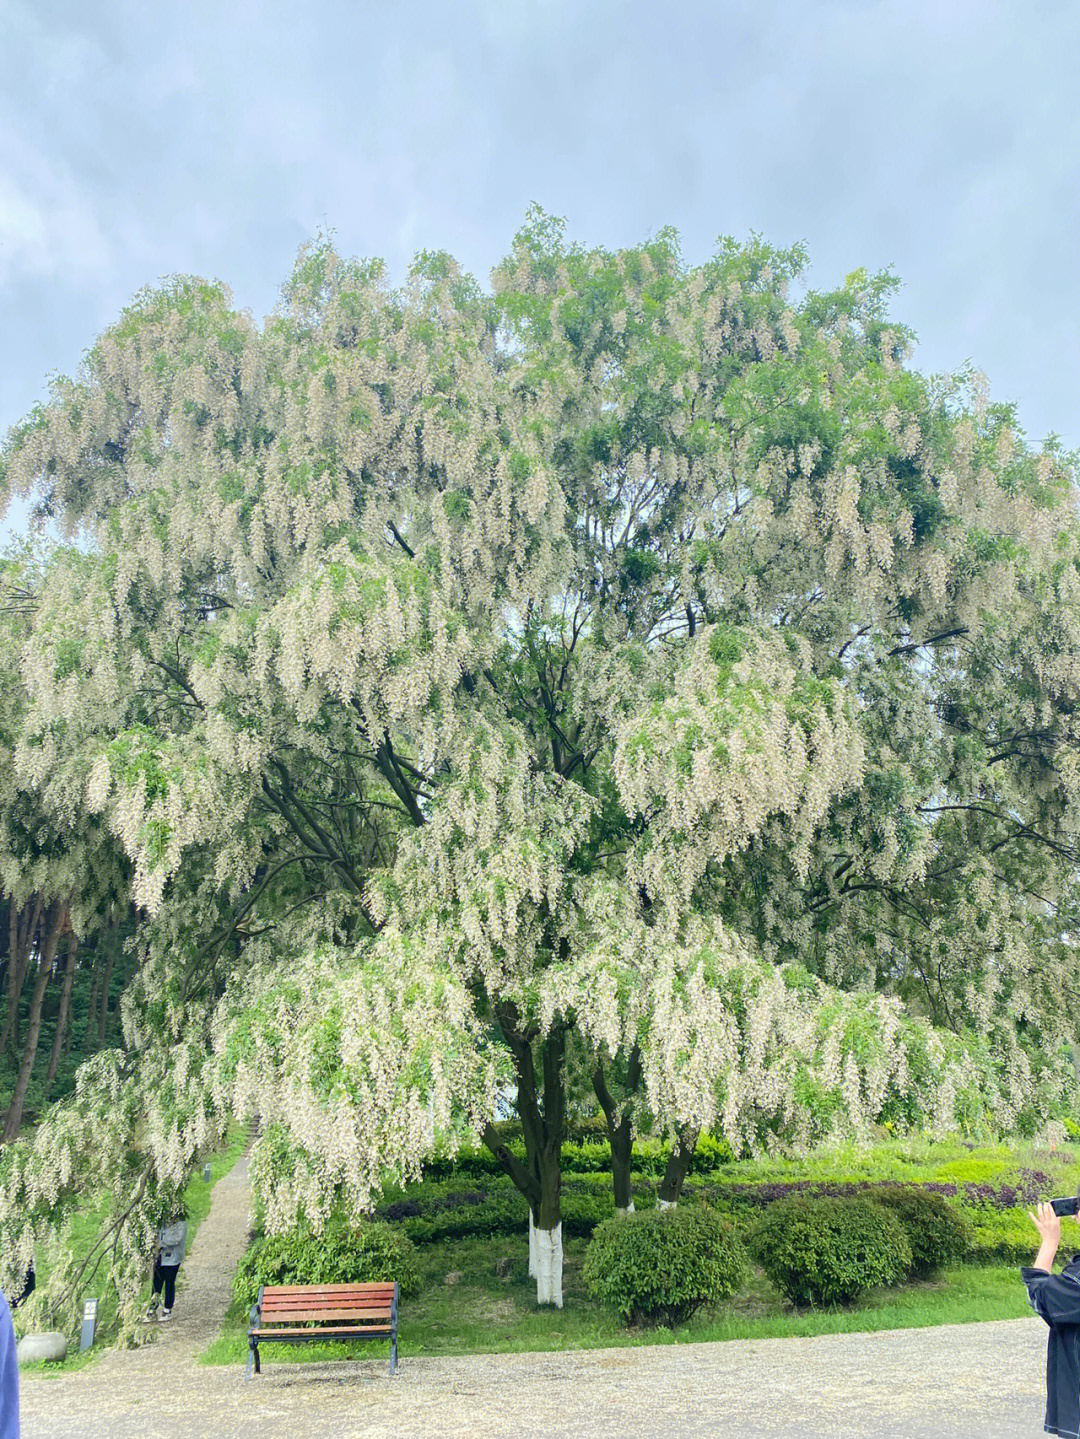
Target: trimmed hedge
1008,1237
937,1231
829,1251
587,1153
367,1253
1024,1187
506,1212
660,1267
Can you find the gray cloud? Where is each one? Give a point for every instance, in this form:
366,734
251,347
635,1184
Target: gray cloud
939,136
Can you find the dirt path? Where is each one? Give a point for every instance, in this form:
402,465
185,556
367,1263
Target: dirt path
969,1381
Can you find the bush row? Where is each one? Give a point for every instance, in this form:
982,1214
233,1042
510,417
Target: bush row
506,1212
587,1154
825,1250
449,1209
659,1267
1026,1187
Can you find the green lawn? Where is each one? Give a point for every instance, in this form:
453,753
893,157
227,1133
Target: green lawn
481,1312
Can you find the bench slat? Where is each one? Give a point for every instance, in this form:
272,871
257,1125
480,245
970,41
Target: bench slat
362,1301
364,1332
324,1315
286,1301
346,1311
292,1290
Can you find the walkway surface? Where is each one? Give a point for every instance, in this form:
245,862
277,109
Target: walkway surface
969,1381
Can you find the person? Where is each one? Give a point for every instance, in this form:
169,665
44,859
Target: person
1056,1298
29,1285
9,1375
172,1239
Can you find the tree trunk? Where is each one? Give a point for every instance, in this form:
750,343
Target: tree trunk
678,1166
543,1123
92,1007
620,1133
103,1017
56,918
22,926
69,1035
64,1015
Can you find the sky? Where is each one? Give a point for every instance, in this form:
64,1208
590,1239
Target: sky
938,137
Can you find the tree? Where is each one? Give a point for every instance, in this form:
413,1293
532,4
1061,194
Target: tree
56,862
633,659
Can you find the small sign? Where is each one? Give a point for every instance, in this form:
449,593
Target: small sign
89,1324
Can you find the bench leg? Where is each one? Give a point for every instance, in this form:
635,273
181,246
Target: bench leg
393,1355
252,1359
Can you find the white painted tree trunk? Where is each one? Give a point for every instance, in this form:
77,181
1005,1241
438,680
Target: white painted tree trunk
549,1266
532,1246
666,1203
621,1212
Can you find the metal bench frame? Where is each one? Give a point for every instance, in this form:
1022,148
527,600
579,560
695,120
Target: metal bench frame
317,1333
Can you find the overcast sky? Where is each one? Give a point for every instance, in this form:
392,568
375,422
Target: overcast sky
941,137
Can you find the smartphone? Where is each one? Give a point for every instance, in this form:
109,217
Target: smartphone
1066,1206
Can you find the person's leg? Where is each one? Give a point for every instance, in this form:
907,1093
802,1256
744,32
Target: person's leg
158,1280
170,1271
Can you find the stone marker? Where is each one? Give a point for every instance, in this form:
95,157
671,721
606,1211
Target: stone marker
32,1348
89,1325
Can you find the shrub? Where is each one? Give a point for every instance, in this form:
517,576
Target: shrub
828,1251
711,1152
937,1232
1003,1238
502,1212
366,1253
660,1266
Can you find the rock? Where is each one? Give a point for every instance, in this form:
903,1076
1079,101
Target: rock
454,1277
33,1348
503,1266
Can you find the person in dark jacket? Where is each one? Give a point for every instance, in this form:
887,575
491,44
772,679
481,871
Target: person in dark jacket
1056,1298
29,1285
9,1375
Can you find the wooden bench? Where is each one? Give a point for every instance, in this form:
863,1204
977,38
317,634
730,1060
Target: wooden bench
340,1313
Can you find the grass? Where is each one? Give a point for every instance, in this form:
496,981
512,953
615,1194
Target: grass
86,1226
483,1312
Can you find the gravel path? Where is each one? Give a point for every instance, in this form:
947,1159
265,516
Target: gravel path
969,1381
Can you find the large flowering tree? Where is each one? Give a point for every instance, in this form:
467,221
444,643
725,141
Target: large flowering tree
633,665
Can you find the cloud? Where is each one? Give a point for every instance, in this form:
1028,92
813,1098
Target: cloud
930,134
48,224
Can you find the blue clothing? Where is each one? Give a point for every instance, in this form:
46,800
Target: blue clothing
1056,1298
9,1376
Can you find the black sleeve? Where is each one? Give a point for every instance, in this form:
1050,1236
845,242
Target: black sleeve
1054,1297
